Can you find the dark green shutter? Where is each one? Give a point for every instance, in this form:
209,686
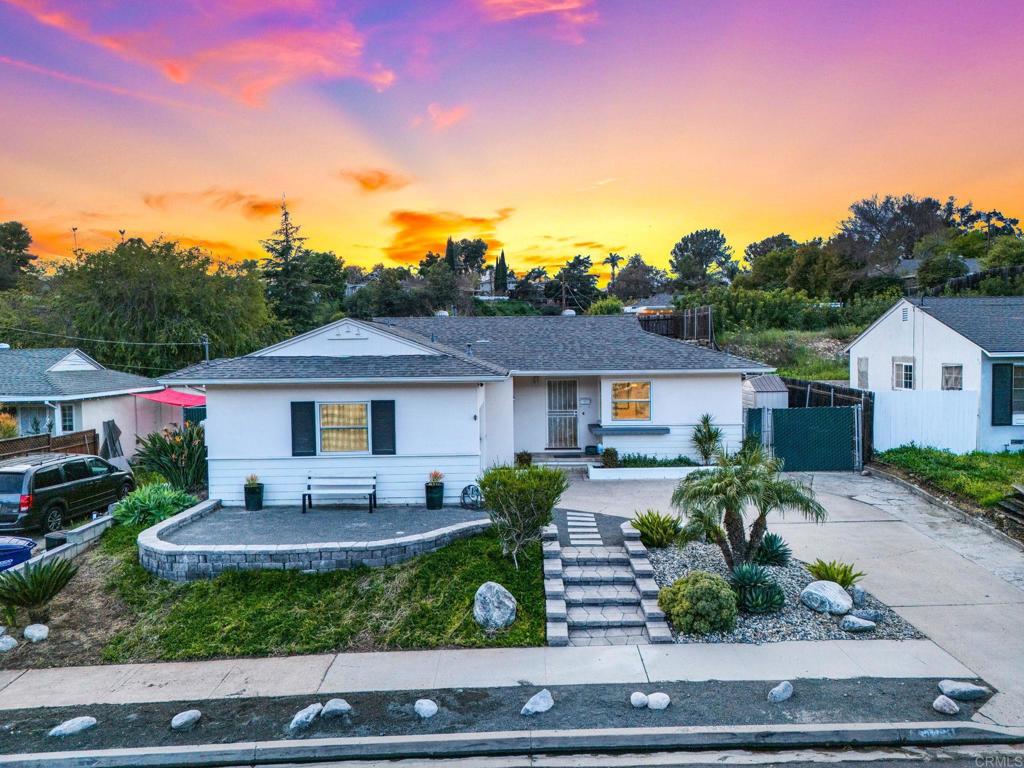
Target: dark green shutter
304,429
382,422
1002,394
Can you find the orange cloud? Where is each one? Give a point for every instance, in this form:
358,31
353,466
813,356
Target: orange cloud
375,179
442,118
251,206
246,68
570,15
420,231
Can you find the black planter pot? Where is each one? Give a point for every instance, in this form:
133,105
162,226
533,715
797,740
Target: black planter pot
254,497
435,495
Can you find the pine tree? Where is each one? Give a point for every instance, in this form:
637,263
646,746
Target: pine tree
501,274
451,256
285,276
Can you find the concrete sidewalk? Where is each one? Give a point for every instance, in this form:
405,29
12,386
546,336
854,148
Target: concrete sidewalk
433,670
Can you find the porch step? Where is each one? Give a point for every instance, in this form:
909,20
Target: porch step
610,636
602,594
597,574
605,616
594,556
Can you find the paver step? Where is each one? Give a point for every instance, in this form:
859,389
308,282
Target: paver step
601,594
614,636
558,633
605,616
594,556
595,574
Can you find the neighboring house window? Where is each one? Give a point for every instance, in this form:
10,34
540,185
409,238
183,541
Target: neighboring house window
344,427
862,373
1018,394
67,418
631,400
902,373
952,377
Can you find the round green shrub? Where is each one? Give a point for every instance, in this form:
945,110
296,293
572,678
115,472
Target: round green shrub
699,603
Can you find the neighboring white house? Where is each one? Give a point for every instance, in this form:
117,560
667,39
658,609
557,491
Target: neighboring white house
63,390
946,372
404,396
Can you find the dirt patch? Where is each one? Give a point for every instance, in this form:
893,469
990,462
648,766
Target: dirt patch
83,618
391,713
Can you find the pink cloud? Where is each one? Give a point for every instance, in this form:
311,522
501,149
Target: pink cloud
442,117
570,15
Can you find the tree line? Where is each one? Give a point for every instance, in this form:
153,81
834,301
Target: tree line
163,297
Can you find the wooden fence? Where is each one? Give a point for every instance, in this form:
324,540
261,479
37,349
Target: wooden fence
687,324
817,394
86,441
967,282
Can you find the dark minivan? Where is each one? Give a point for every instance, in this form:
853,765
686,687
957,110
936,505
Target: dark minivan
46,490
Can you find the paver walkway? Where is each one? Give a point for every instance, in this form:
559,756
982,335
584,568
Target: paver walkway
959,584
471,668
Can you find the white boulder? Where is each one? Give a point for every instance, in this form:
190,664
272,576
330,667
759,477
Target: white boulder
826,597
856,624
185,721
963,691
494,607
305,717
7,643
945,705
336,708
36,633
658,701
539,702
638,699
425,708
780,692
73,726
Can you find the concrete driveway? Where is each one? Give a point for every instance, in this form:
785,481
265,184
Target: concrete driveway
960,585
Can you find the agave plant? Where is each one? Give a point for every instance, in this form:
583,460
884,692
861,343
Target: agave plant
773,550
34,586
749,575
764,598
715,501
657,529
706,438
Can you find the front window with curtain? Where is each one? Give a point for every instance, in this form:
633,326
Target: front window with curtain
344,427
631,401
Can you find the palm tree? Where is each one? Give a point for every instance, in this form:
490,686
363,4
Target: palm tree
716,499
613,260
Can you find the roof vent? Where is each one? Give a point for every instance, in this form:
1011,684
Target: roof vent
568,313
441,313
469,350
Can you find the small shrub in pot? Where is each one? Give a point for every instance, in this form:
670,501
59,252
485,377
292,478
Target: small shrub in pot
435,490
253,493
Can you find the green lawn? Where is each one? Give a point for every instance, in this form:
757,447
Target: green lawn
814,355
981,478
426,602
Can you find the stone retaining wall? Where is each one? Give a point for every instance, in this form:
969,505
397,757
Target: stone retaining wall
79,540
188,562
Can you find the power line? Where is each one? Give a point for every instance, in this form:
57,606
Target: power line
109,341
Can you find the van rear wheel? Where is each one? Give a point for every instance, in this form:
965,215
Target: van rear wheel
53,520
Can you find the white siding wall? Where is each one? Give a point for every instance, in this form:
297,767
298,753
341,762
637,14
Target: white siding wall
934,418
346,338
678,402
248,430
995,438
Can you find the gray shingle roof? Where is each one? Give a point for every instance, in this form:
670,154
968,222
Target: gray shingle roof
994,323
768,382
23,373
557,344
280,368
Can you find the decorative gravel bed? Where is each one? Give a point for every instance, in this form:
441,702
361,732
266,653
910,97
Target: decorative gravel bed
794,622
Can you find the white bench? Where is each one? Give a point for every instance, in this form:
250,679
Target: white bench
338,486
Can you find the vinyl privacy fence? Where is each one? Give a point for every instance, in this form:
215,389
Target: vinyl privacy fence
945,419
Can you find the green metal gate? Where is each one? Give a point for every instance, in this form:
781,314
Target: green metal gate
816,439
194,414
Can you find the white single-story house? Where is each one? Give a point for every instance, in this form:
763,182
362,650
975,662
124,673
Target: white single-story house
404,396
56,391
947,372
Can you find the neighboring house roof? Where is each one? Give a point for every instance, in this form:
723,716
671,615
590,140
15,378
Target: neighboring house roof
559,344
327,368
909,267
657,300
768,382
28,375
994,323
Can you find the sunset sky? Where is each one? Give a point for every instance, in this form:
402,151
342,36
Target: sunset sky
548,127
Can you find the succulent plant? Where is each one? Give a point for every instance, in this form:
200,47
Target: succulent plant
764,598
773,550
747,575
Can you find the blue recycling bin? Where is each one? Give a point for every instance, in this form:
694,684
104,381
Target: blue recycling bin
14,550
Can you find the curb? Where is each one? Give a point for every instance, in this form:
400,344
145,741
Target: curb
931,498
693,738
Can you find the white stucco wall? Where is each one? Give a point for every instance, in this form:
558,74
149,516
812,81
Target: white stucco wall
248,430
134,416
497,423
531,410
678,402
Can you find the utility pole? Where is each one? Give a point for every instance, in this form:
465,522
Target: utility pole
205,341
563,295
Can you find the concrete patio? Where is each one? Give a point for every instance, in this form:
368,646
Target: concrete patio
960,585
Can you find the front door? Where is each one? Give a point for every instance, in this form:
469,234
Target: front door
563,416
